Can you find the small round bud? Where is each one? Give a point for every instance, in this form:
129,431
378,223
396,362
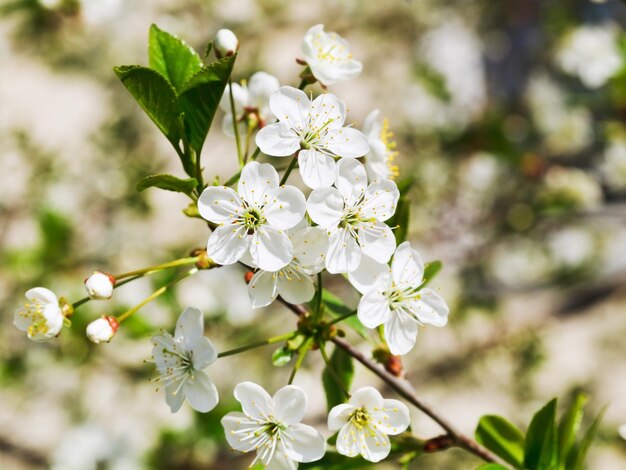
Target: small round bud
248,277
102,329
99,285
225,43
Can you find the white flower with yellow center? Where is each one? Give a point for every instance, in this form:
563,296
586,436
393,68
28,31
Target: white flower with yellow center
271,427
394,297
315,129
253,219
379,162
328,56
181,360
293,282
365,422
40,317
353,213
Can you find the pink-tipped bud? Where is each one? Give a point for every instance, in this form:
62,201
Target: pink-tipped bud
102,330
99,285
225,43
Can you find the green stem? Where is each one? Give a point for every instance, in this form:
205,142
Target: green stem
273,340
318,298
247,149
159,267
301,355
235,127
341,318
303,84
255,154
233,179
155,294
333,372
290,168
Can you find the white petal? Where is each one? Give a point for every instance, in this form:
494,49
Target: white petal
375,445
285,208
201,392
380,200
291,107
260,87
257,182
347,142
277,140
377,242
290,403
327,112
271,249
431,309
351,180
348,442
339,416
368,275
42,294
190,327
407,266
373,309
372,125
310,245
255,401
240,98
344,253
316,169
262,288
204,353
227,244
236,421
280,459
325,207
305,443
366,397
219,204
392,418
174,397
308,50
400,333
227,126
296,289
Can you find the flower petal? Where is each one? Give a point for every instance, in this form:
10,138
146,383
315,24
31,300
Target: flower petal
369,275
344,253
278,140
373,309
392,418
348,441
174,397
366,397
316,169
42,294
377,241
351,180
240,98
228,243
290,403
339,416
380,200
280,459
407,266
304,443
201,392
291,107
346,142
327,112
257,182
400,332
297,288
237,427
260,87
431,309
190,327
271,249
285,208
375,445
310,245
325,207
256,403
262,288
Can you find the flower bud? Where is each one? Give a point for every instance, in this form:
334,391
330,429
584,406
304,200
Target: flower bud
102,329
99,285
225,43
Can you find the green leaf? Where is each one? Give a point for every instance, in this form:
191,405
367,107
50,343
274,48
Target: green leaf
430,271
282,356
172,58
337,308
167,182
342,364
540,452
401,218
200,98
576,461
502,438
155,96
492,466
569,426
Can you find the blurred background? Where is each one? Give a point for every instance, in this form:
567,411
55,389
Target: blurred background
510,115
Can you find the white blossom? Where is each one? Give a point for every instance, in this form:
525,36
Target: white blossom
181,360
592,53
315,129
225,43
251,102
102,330
365,422
393,297
41,316
613,166
379,161
253,219
571,187
271,426
353,214
293,282
99,285
328,56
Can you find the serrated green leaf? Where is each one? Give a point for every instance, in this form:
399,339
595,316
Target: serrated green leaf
343,365
172,58
281,356
155,96
337,308
540,452
501,437
200,98
167,182
579,454
569,426
400,220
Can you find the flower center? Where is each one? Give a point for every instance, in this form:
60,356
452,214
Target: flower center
34,312
253,219
360,418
